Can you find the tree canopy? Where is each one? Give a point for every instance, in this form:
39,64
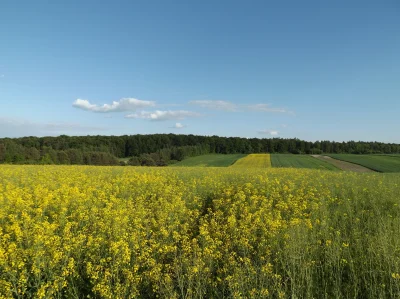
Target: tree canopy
161,149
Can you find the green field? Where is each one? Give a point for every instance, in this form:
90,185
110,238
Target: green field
299,161
216,160
390,155
381,163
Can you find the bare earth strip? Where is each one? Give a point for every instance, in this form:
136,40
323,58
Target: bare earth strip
343,165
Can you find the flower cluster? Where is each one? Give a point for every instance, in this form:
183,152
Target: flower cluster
119,232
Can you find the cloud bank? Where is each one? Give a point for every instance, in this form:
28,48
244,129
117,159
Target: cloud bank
11,127
179,126
159,115
265,108
268,132
229,106
215,105
123,105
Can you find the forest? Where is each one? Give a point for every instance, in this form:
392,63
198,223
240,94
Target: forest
164,149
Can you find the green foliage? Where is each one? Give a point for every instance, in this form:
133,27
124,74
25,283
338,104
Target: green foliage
3,151
99,158
315,151
178,155
63,157
32,154
134,161
46,160
147,160
75,156
166,147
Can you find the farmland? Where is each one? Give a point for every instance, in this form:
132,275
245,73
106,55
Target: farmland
380,163
197,232
215,160
254,161
343,165
300,161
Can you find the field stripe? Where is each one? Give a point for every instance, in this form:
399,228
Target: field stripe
343,165
211,160
380,163
254,161
300,161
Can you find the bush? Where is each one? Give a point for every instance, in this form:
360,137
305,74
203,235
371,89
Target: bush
134,161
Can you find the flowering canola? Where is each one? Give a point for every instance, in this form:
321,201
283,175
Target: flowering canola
127,232
254,161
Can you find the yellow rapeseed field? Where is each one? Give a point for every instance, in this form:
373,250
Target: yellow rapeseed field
254,161
128,232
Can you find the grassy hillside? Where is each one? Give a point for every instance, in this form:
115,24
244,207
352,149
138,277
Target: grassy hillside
299,161
214,160
381,163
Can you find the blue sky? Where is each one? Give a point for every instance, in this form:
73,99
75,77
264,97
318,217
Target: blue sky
315,70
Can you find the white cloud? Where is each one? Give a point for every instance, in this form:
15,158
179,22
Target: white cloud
10,127
215,105
229,106
265,108
125,104
179,126
268,132
69,127
159,115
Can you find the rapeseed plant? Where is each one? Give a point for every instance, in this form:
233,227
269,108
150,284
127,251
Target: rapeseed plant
119,232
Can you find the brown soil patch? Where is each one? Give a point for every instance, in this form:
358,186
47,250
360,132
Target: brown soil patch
343,165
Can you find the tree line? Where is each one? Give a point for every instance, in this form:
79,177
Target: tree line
162,149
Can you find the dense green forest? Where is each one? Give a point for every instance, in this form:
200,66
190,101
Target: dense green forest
162,149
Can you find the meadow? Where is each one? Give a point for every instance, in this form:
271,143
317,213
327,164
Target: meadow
380,163
300,161
127,232
212,160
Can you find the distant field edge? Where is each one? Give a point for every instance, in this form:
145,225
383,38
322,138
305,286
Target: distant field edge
211,160
300,161
343,165
378,163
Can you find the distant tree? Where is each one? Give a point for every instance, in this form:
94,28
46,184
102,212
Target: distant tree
147,160
134,161
178,154
32,154
63,157
103,150
46,159
75,156
316,151
295,151
2,153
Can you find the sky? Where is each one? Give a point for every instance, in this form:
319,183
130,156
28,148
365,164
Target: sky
314,70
